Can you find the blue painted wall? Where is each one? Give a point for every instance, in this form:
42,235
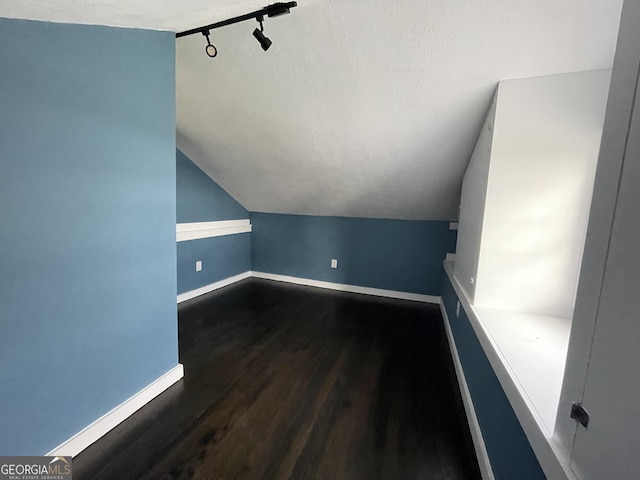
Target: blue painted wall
222,257
397,255
87,215
509,450
200,199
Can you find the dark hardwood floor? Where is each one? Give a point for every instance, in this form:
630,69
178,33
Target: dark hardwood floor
283,381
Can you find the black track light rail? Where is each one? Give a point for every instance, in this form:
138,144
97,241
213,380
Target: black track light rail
273,10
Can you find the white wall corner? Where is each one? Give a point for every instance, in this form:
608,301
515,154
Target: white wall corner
113,418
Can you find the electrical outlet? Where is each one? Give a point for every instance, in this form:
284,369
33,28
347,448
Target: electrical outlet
458,309
199,266
334,263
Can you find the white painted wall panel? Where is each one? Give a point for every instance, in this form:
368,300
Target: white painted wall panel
544,155
474,190
614,140
609,447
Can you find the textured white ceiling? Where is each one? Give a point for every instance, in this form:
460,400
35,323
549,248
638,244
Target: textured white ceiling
370,108
172,15
360,108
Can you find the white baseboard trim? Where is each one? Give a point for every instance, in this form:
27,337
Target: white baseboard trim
212,286
474,427
110,420
378,292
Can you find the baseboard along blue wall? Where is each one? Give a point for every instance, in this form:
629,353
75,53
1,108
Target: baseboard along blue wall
200,199
87,195
509,450
399,255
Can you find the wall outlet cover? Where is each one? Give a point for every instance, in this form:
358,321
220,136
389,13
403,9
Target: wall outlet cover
199,266
334,263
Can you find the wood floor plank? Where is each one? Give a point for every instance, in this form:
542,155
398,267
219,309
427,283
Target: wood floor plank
291,382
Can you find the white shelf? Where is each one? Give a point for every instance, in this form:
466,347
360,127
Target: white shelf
534,349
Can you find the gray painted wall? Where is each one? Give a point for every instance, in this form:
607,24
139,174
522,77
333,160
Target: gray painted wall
87,195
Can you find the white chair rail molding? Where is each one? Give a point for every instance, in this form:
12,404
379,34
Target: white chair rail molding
197,230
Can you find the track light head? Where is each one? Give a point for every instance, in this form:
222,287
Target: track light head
210,49
265,42
273,10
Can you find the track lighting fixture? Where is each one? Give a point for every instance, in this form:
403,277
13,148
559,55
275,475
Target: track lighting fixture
270,11
265,42
211,50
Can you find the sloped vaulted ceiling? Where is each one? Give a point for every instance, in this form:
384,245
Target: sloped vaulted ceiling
364,108
370,108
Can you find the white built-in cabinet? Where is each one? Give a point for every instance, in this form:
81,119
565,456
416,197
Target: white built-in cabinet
523,219
602,371
548,259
